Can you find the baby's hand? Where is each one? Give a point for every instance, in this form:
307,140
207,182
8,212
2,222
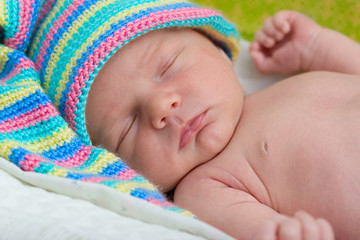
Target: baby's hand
300,227
285,44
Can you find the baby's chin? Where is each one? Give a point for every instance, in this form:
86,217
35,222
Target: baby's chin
213,143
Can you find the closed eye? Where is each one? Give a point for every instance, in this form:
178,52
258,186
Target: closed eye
170,62
126,130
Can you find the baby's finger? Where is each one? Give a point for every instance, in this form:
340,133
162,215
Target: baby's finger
268,230
254,46
281,22
326,231
290,229
271,31
263,39
309,225
264,64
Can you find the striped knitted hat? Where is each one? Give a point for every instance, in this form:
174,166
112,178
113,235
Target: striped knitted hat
72,39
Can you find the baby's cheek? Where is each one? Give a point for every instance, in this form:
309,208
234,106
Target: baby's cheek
125,153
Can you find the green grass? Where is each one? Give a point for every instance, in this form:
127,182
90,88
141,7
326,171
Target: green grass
340,15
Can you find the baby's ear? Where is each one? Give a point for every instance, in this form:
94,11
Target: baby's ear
224,55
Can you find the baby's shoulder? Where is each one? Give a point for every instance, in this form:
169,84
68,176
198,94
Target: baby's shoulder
201,188
319,80
200,181
199,178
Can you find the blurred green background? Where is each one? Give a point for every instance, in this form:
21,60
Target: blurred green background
341,15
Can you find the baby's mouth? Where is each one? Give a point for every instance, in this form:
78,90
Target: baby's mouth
189,130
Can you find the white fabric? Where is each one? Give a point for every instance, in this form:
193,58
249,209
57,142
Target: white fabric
77,210
248,75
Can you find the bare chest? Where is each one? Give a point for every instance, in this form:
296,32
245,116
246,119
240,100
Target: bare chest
302,149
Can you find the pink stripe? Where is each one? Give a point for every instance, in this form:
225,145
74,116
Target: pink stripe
77,159
118,38
42,113
96,179
44,10
160,203
53,30
123,176
127,174
23,65
31,161
24,23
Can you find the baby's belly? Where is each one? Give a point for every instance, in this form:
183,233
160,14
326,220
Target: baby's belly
306,147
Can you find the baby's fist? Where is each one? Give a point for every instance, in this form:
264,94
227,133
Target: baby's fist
300,227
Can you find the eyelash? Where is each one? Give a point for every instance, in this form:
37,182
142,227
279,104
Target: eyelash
126,130
167,66
170,63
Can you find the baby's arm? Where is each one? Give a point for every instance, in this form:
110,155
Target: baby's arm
241,215
291,42
300,227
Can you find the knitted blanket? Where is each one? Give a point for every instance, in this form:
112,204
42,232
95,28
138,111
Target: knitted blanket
34,136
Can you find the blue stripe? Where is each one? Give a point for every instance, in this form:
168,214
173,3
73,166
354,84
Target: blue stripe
114,168
12,11
23,79
33,101
13,59
146,194
80,176
93,157
17,155
67,150
34,13
114,183
35,133
41,39
35,52
44,168
56,37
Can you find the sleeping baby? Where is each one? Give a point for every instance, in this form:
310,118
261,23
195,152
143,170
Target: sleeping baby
153,82
271,165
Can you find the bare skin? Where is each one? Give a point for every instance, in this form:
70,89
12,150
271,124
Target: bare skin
281,163
296,146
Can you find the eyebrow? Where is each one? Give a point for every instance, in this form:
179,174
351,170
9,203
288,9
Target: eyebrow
150,53
153,51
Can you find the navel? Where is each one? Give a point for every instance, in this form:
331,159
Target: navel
264,147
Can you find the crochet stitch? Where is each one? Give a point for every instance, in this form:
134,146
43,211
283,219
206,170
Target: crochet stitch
43,92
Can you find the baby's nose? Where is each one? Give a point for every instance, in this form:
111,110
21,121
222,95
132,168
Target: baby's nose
162,107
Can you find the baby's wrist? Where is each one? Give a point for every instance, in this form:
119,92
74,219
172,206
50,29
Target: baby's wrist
330,50
313,56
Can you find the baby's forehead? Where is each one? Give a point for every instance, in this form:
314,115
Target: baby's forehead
165,39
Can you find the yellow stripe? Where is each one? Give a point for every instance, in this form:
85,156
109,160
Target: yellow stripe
57,139
54,57
2,13
16,95
59,172
103,160
72,62
6,147
187,213
126,187
47,20
45,144
3,55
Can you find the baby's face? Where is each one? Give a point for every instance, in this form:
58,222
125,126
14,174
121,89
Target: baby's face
165,103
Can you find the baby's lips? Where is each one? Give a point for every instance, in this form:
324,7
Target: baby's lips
190,129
